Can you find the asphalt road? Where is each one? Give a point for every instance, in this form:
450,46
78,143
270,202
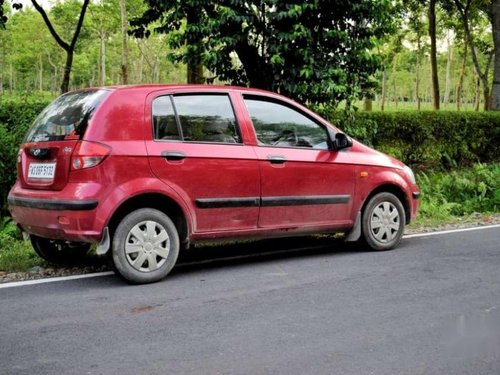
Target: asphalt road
430,307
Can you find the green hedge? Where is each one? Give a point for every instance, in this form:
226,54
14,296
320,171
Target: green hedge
423,140
15,119
426,140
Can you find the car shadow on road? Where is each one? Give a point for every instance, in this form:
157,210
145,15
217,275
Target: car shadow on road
202,257
210,256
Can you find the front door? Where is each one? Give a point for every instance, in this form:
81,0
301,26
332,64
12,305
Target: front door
303,183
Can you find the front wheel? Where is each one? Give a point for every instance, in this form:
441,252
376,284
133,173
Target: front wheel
145,246
383,221
59,252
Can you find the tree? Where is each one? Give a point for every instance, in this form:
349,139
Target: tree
311,51
103,22
69,48
27,66
434,65
495,23
123,28
465,9
449,59
415,15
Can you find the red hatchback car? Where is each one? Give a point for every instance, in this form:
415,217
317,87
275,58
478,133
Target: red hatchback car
146,170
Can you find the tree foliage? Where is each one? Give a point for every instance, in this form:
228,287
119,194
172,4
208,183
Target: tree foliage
315,51
297,48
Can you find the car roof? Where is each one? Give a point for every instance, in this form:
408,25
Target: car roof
195,87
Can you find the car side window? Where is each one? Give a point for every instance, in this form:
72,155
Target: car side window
164,122
277,124
206,118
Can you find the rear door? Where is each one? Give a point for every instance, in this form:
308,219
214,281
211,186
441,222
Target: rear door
303,182
197,148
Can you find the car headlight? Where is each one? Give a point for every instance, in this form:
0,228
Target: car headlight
410,174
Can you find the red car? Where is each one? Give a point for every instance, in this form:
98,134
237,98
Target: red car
146,170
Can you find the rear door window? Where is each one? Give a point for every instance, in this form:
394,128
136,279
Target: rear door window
195,118
66,118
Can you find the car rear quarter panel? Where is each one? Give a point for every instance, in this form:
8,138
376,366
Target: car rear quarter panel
122,112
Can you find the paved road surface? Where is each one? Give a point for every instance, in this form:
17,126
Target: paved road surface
430,307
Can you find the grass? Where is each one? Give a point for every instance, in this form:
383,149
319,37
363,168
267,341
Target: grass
16,254
460,193
457,197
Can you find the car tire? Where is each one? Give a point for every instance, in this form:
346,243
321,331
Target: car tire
59,252
383,222
145,246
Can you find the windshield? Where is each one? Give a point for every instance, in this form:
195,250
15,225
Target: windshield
66,118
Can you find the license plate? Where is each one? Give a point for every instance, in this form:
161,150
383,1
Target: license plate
42,170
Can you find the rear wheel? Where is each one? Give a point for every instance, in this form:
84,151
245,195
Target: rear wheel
145,246
383,221
59,252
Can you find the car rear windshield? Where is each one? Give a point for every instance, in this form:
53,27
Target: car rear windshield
66,118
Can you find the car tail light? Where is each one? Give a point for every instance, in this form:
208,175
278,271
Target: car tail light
88,154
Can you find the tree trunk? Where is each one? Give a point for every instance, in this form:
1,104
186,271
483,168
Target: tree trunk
140,73
102,61
11,79
417,75
384,89
53,83
495,23
2,77
194,65
123,18
449,59
67,72
434,66
156,70
486,98
394,86
461,80
477,96
258,76
40,73
195,71
486,89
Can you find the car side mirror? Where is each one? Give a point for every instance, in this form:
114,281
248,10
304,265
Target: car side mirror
339,141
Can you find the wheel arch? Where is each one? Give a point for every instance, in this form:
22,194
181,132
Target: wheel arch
393,189
157,201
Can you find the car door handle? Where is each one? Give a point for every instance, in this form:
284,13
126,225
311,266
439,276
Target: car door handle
276,159
173,155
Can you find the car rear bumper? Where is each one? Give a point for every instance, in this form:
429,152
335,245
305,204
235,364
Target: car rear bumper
54,205
66,218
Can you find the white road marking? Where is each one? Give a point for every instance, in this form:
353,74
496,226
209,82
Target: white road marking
450,231
108,273
54,279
